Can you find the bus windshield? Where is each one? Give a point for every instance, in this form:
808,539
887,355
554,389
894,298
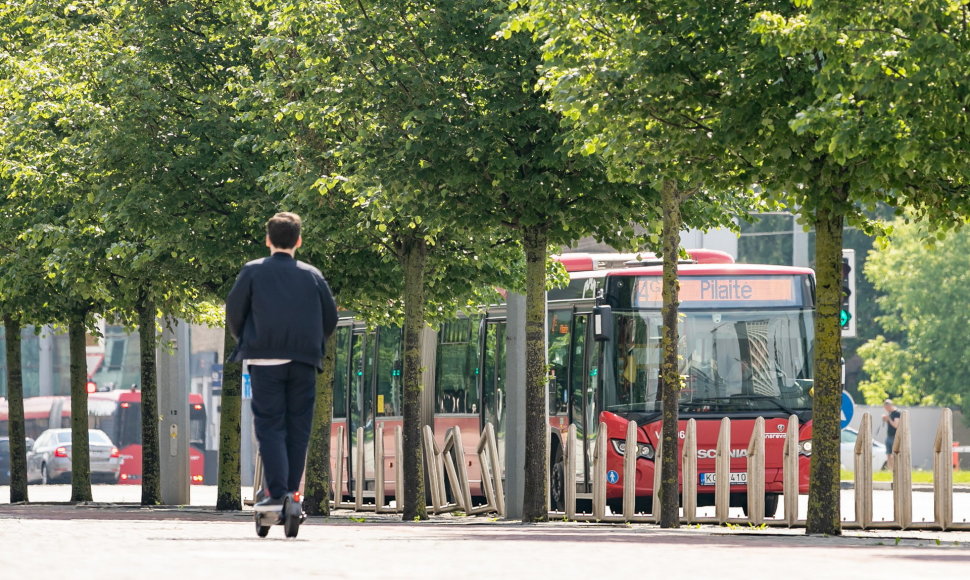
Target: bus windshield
729,361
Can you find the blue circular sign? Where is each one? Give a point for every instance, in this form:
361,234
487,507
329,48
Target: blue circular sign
612,476
848,408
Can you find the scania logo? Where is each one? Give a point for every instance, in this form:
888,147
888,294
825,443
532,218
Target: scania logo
780,427
712,453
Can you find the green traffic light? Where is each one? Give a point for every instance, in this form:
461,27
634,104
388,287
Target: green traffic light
844,317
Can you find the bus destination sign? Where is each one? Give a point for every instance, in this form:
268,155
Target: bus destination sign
709,290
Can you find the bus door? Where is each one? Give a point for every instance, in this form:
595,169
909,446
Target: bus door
583,385
342,378
360,397
560,331
493,381
388,403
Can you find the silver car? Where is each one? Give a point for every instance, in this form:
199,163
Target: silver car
49,459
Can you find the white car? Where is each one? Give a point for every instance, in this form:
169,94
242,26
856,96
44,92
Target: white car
49,458
847,451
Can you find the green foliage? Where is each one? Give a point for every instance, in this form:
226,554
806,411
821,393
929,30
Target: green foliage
921,278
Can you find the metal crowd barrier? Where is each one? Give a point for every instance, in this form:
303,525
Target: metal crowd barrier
441,463
863,485
449,461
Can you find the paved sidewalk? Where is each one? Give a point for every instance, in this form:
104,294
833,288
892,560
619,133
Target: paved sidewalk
125,541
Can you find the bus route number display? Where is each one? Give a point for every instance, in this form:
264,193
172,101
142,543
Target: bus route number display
764,290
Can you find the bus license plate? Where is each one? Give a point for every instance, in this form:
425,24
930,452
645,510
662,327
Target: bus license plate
736,478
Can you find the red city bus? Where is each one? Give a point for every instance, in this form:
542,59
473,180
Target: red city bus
747,336
40,414
117,413
764,315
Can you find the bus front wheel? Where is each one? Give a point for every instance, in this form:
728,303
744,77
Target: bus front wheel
771,504
557,480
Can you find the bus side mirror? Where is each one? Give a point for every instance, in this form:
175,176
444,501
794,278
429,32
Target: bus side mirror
602,322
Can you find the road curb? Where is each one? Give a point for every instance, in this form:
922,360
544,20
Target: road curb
888,485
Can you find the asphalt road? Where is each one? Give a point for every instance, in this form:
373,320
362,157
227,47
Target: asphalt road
205,496
52,539
64,541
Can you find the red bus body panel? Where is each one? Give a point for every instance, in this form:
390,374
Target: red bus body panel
707,435
131,455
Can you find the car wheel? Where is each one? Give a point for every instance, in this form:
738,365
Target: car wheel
44,476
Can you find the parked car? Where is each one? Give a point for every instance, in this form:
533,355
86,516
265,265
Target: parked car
5,463
49,460
847,451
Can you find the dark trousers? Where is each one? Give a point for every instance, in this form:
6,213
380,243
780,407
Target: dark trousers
282,405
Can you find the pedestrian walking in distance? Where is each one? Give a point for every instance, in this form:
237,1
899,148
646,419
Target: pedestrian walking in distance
281,312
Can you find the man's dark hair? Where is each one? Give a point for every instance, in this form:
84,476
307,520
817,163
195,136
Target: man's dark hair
283,230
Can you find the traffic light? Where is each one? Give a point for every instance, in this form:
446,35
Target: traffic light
847,311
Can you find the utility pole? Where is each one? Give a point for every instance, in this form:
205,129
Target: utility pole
173,407
515,420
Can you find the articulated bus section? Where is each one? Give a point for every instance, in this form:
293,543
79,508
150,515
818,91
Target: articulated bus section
746,342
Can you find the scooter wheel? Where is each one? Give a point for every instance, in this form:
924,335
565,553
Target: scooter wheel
261,530
293,516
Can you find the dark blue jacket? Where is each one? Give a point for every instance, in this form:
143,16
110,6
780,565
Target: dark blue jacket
280,307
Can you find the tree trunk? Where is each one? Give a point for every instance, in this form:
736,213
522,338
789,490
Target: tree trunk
15,396
670,377
229,490
80,447
151,479
415,259
534,506
316,496
824,515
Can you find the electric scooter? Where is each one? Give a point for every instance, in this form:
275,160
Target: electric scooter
290,515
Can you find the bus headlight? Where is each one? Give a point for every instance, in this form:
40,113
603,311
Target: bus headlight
805,447
644,450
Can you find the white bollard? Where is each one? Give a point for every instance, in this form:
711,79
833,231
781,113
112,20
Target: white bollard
943,471
599,474
791,474
903,473
630,471
722,472
863,473
689,469
571,472
756,473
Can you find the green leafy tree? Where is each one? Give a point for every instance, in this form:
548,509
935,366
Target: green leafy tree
15,406
180,185
374,99
871,123
761,89
46,109
633,94
921,278
128,115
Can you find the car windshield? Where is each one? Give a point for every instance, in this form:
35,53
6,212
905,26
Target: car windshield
64,437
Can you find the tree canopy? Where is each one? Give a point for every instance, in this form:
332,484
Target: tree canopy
920,278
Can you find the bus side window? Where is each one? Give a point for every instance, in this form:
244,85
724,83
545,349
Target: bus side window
456,376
